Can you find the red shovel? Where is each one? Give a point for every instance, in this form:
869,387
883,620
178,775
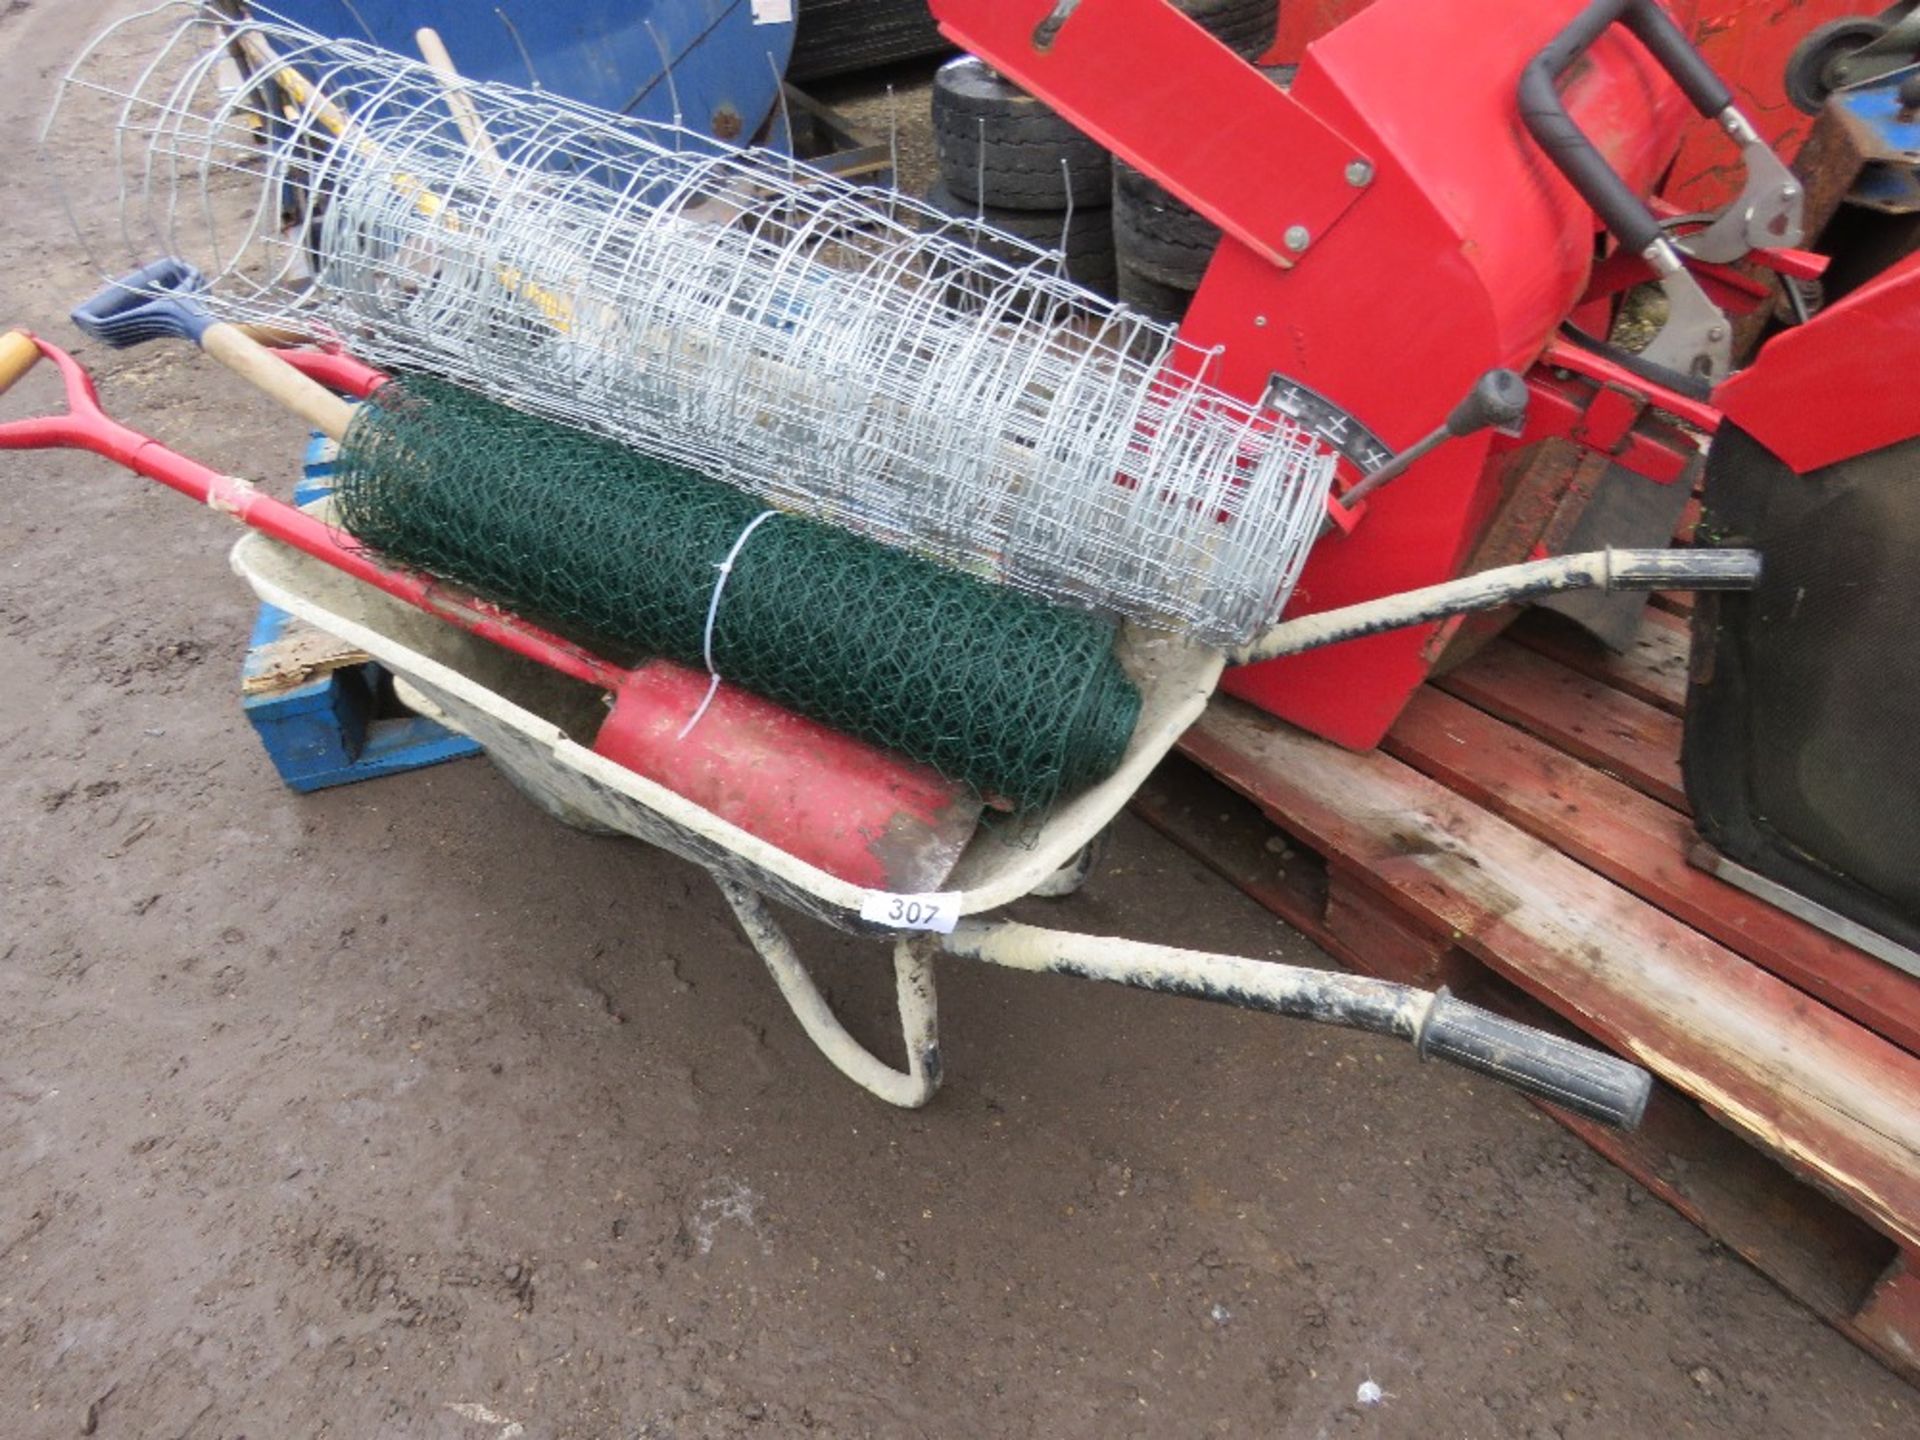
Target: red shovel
864,815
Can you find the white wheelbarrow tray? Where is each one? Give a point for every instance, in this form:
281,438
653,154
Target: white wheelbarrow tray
537,726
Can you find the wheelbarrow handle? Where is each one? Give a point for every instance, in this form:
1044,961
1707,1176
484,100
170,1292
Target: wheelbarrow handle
18,354
1588,1082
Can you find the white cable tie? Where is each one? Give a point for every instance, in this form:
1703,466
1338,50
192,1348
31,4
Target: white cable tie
725,567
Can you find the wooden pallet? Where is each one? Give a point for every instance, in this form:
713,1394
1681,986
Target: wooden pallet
324,712
1522,836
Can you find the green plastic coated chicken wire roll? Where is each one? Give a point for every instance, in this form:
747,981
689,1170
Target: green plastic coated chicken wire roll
1002,692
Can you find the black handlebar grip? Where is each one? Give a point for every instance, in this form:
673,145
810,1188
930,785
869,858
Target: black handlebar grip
1546,118
1588,1082
1498,399
1658,31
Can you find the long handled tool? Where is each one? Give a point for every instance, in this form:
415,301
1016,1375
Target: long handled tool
855,812
163,301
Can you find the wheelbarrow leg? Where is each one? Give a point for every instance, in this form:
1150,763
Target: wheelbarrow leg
913,984
1072,877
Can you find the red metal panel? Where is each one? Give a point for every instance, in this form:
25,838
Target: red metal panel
1466,253
1840,385
1463,250
1150,84
1748,42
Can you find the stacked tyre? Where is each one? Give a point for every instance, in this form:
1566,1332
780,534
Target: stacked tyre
841,37
1007,160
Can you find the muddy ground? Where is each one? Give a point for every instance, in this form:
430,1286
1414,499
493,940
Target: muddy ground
402,1111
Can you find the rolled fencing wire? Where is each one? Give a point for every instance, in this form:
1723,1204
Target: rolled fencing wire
837,352
1021,700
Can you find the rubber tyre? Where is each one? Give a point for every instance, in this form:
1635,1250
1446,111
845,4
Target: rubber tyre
1246,27
1024,145
1088,242
1158,236
1807,84
1150,297
839,37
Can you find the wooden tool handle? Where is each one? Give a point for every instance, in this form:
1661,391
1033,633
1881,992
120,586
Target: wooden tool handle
472,129
17,356
267,372
273,336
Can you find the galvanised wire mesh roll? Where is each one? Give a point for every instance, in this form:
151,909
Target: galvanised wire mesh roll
1002,691
840,352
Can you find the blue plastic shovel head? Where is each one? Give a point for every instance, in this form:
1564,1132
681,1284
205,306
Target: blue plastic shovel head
162,300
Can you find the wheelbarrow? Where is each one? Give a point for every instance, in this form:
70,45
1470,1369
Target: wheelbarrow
530,700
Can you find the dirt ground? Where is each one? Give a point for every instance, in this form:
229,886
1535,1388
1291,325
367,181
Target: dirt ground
400,1110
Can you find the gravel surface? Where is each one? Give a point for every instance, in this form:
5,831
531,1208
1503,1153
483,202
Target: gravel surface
400,1110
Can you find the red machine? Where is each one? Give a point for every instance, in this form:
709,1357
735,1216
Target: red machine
1748,42
1396,228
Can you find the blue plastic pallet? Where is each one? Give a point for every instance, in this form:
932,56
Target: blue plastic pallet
345,725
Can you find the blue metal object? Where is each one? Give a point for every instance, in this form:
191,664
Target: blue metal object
160,301
340,727
710,64
1888,134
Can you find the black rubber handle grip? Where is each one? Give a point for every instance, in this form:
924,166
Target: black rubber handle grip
1546,118
1498,399
1588,1082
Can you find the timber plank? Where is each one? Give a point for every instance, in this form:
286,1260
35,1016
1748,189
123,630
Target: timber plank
1676,602
1641,844
1837,1104
1815,1249
1889,1321
1580,715
1653,669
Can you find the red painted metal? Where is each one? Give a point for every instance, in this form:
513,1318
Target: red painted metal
1463,250
1563,405
1841,384
1148,83
335,369
865,815
1561,355
1747,42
